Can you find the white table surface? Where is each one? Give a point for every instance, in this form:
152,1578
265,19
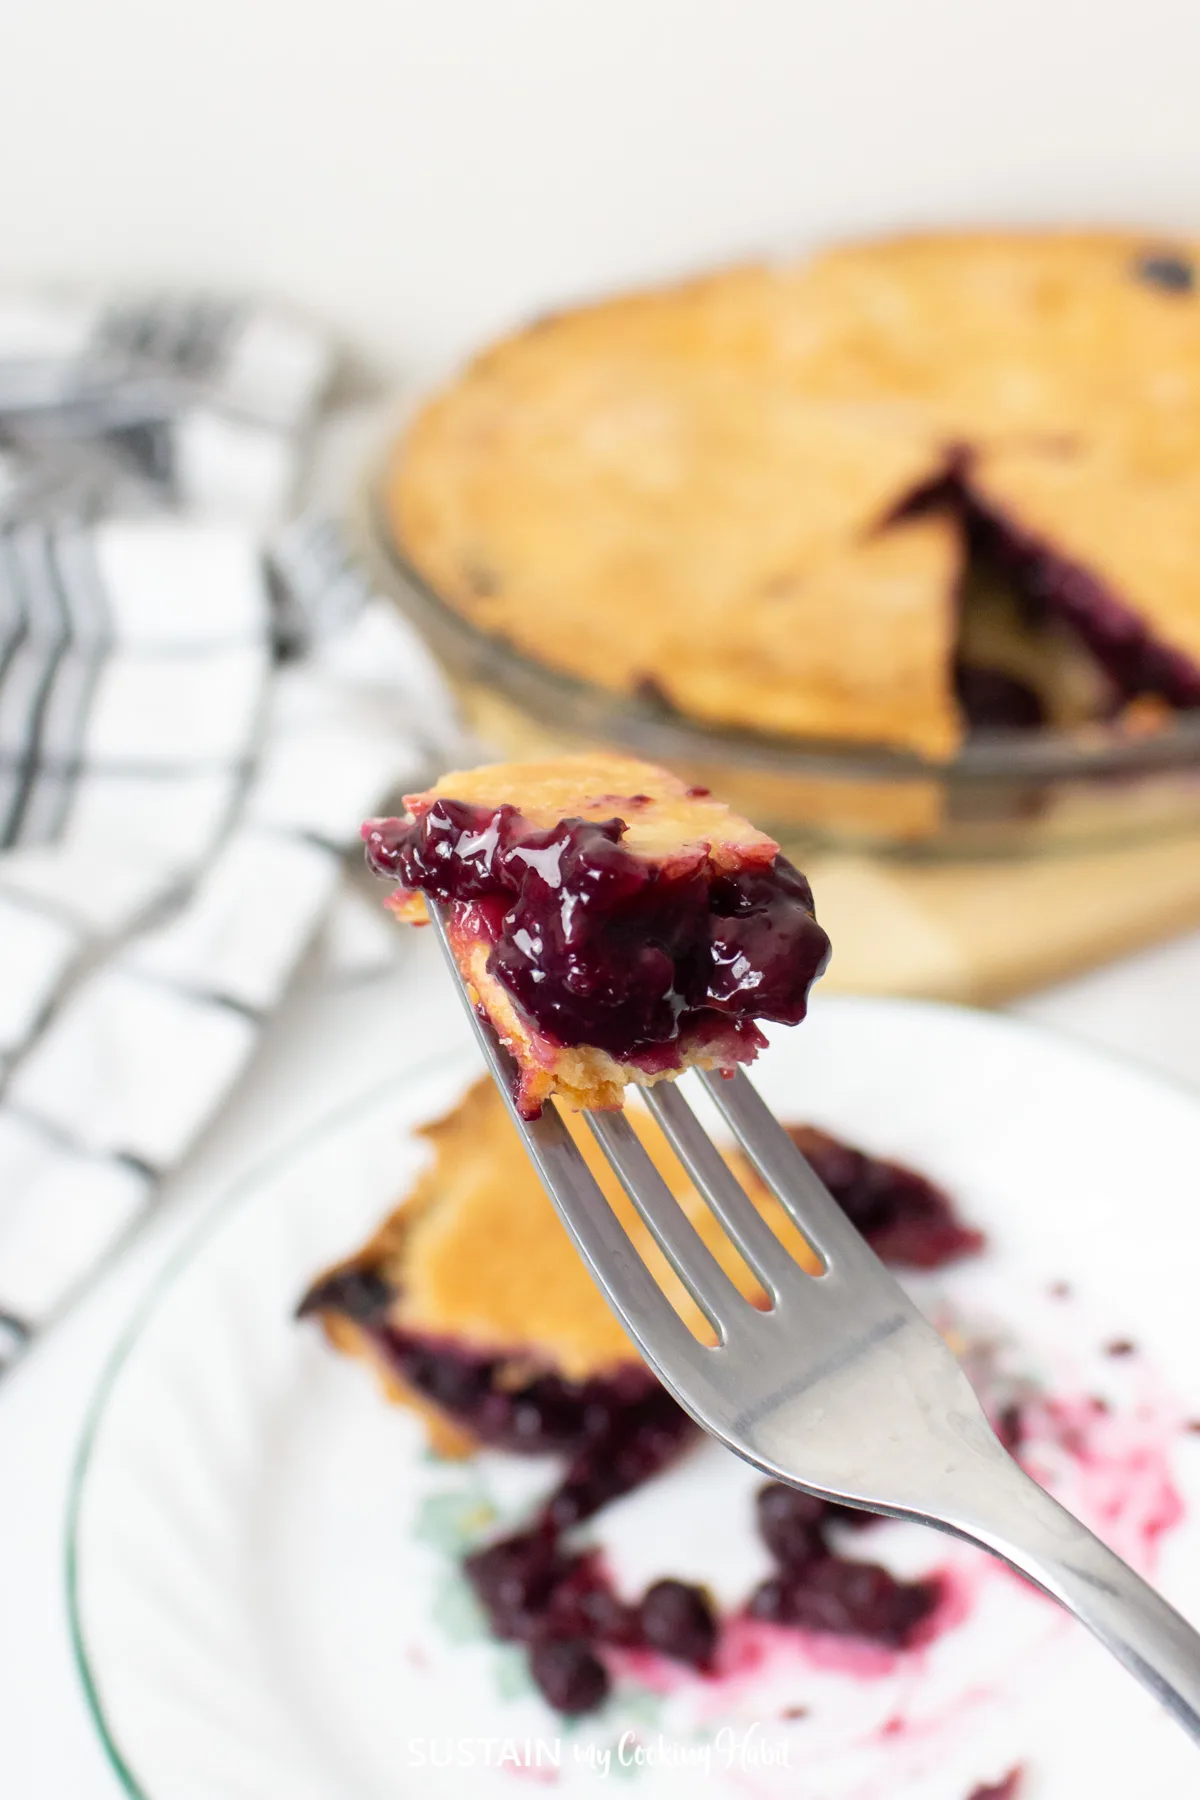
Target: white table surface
325,1045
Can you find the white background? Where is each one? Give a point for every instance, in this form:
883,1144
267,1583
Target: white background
420,172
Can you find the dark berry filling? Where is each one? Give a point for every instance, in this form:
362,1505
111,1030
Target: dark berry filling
570,1675
601,946
561,1606
637,1441
820,1590
1051,585
904,1217
677,1620
791,1524
616,1432
851,1599
1135,661
357,1290
993,701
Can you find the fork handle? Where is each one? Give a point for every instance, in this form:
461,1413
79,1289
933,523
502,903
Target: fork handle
1019,1522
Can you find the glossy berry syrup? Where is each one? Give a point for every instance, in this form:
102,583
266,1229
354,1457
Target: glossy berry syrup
604,947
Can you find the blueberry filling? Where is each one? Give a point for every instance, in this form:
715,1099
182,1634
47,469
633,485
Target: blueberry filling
618,1431
791,1524
677,1619
1051,585
561,1606
819,1590
615,1431
570,1675
850,1599
905,1218
1135,661
357,1291
993,701
601,946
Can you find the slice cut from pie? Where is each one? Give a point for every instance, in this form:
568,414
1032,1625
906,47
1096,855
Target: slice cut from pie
613,924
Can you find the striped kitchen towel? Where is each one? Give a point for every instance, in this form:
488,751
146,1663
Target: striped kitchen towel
199,699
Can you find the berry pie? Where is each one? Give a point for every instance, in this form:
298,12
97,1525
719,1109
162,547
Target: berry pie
753,496
614,925
475,1311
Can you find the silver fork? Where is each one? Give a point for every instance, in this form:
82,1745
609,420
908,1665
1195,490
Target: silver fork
842,1388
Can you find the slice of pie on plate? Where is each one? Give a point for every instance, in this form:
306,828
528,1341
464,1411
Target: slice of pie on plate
475,1310
476,1313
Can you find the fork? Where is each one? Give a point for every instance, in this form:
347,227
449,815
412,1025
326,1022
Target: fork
841,1386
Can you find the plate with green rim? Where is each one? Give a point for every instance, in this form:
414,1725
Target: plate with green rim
262,1558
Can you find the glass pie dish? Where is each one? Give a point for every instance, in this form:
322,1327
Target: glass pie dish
1005,792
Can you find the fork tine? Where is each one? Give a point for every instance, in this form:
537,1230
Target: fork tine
788,1175
673,1231
598,1235
603,1242
737,1214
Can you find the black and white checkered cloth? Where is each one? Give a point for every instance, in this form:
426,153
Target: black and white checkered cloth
198,702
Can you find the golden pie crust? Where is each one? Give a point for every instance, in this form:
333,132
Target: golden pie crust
478,1257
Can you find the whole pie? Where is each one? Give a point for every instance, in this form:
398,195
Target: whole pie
756,498
613,924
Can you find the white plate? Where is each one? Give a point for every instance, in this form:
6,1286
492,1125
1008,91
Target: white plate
262,1558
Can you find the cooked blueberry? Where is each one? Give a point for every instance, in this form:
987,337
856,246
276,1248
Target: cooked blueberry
790,1523
609,1619
853,1599
677,1619
570,1675
1166,269
582,1604
515,1581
